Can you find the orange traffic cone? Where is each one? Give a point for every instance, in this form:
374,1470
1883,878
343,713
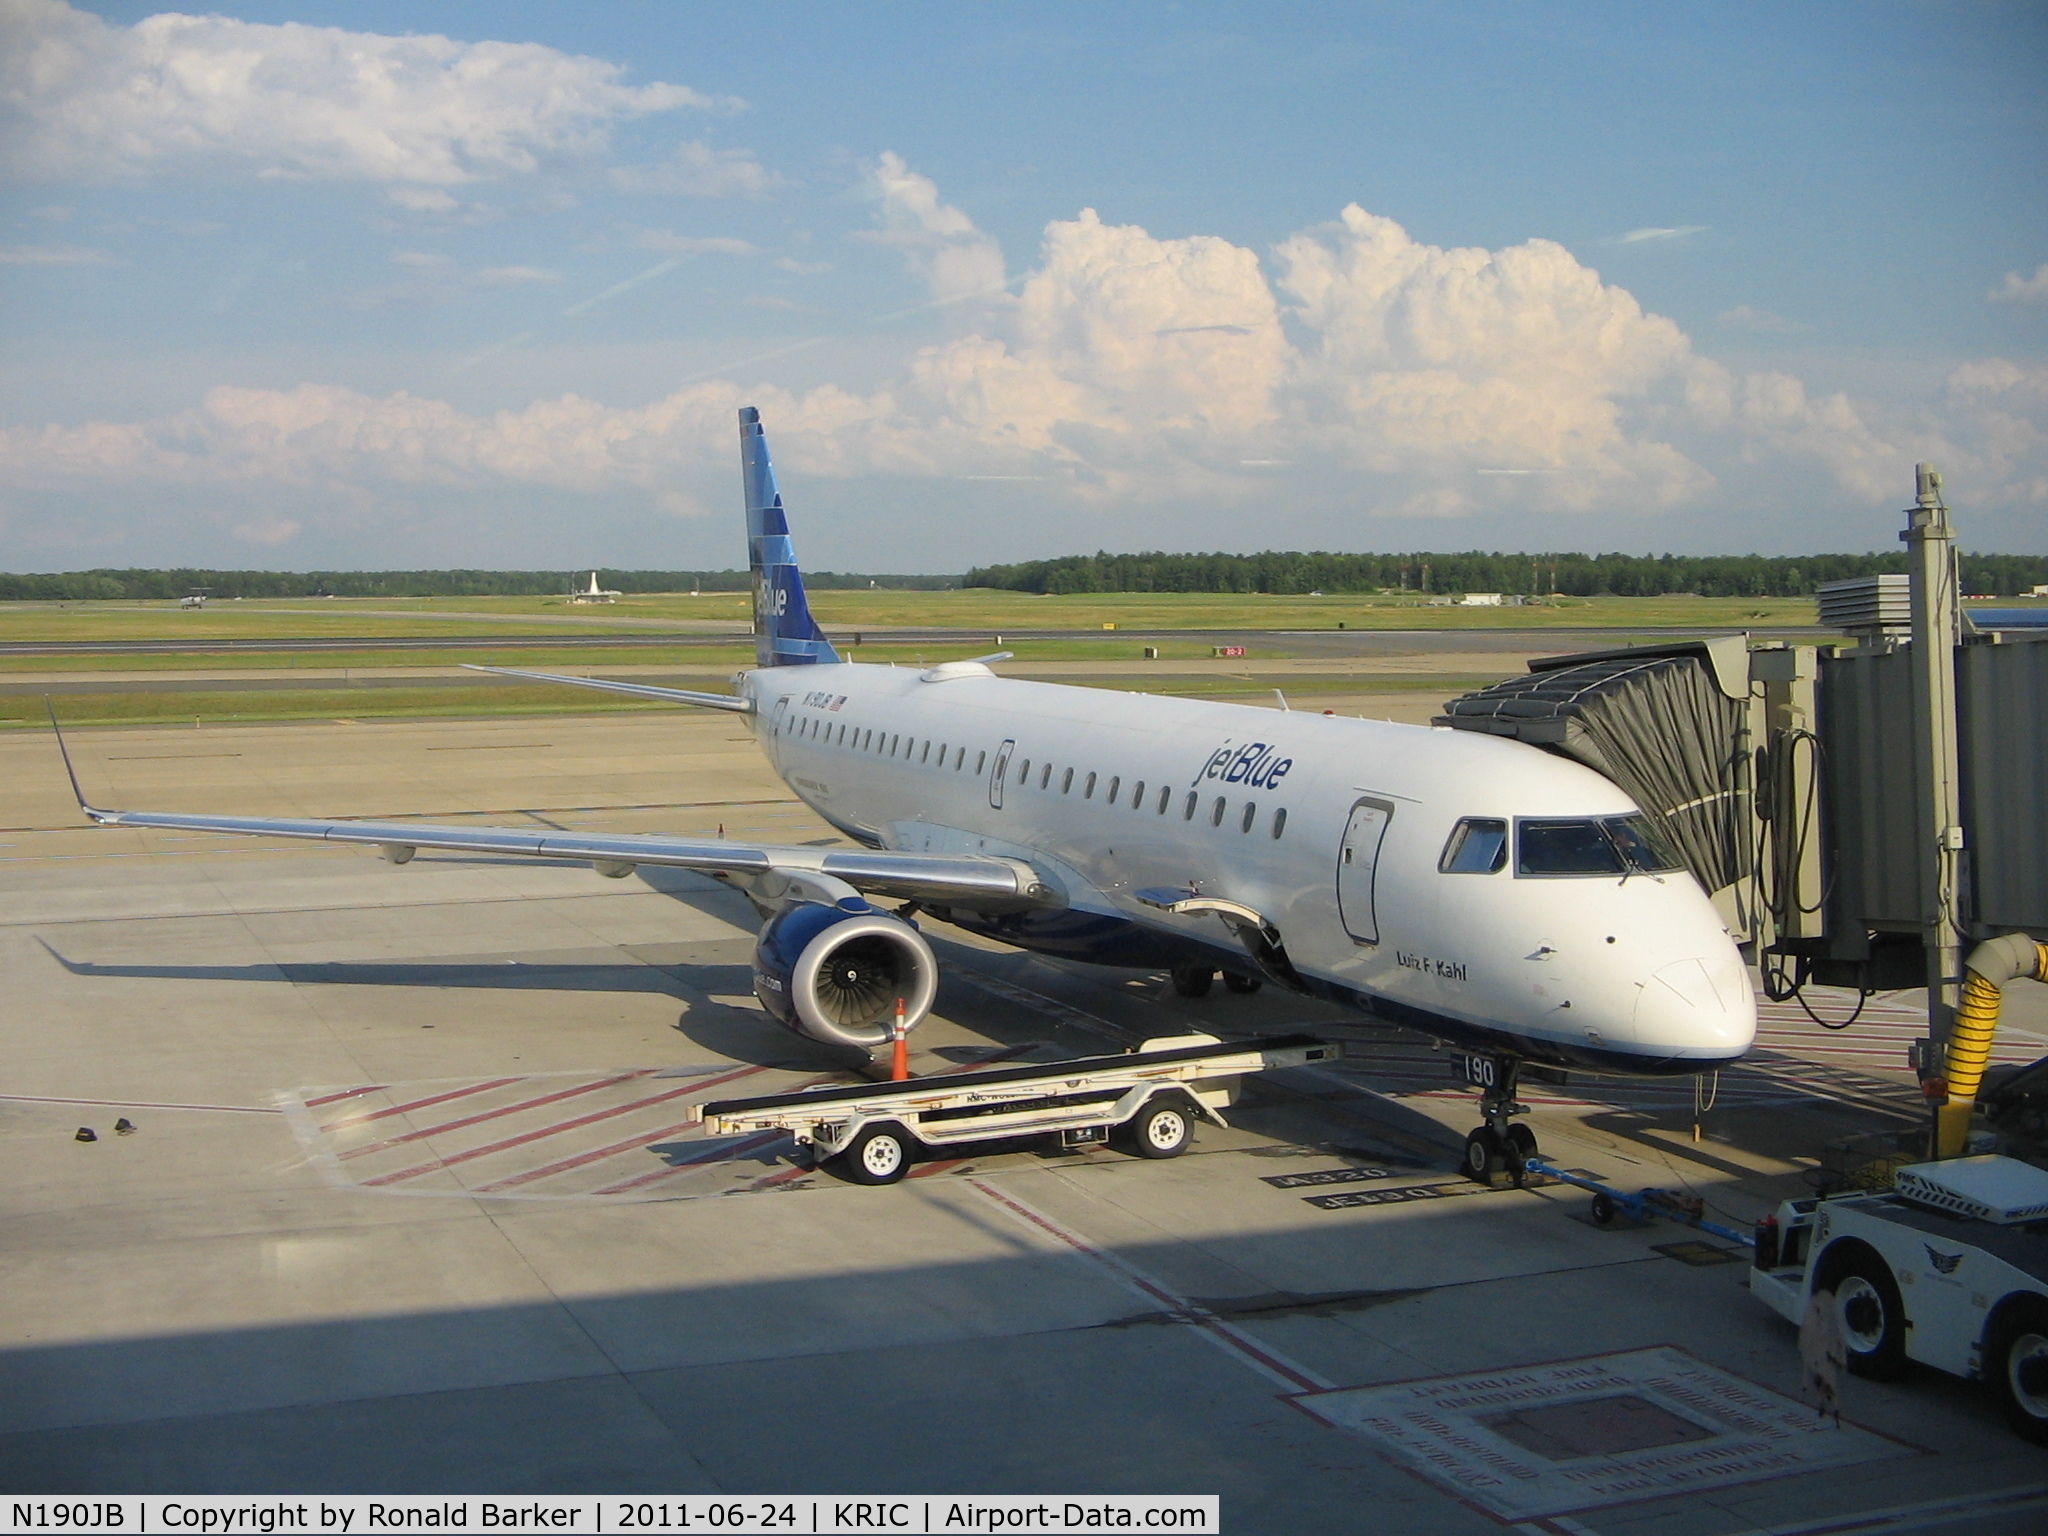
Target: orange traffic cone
899,1058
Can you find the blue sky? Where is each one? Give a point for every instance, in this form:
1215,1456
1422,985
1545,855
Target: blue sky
308,285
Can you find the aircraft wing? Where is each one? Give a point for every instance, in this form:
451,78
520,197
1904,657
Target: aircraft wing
963,879
638,690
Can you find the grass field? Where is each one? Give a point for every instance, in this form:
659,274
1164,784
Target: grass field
978,616
979,610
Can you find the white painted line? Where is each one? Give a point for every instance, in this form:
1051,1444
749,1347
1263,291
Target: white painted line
1914,1517
1289,1374
1565,1437
226,1109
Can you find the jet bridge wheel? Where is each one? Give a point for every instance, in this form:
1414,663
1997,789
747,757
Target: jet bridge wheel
881,1154
2016,1367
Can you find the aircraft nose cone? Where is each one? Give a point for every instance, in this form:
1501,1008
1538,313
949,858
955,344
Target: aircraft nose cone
1701,1005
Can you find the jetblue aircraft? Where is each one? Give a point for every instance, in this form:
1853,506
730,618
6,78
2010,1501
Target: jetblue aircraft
1508,902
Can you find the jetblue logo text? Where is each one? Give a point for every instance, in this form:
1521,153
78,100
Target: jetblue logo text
1256,765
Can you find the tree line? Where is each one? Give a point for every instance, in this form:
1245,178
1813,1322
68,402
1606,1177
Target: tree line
105,585
1574,575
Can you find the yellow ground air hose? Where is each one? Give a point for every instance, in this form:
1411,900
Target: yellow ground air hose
1990,966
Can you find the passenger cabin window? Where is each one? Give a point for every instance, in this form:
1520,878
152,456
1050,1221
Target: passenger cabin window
1024,772
1045,776
1478,845
926,755
1138,795
1166,795
1279,822
1187,812
980,762
1088,789
1110,793
1216,812
1251,814
1067,782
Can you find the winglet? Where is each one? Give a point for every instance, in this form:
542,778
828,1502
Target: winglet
78,794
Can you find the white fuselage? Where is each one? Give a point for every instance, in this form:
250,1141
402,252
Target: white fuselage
1128,792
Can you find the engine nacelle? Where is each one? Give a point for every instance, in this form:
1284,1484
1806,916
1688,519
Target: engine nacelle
834,972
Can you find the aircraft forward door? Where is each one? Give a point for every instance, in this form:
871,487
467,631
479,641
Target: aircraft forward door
995,778
1358,858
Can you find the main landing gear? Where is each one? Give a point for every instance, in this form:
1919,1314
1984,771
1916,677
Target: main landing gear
1195,981
1497,1146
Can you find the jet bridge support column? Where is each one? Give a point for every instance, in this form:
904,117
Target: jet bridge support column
1930,540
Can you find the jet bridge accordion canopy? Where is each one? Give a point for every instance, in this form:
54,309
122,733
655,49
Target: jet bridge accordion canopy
1658,721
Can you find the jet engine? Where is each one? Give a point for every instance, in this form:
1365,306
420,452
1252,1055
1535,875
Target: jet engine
834,971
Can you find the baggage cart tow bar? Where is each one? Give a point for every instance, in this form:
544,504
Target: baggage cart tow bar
1644,1205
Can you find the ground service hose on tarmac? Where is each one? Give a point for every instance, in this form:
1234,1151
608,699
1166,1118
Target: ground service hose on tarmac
1990,966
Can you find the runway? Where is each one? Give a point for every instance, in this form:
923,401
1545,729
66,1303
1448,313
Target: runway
414,1199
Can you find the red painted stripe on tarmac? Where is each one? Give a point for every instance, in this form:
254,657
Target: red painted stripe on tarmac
439,1098
346,1093
548,1130
584,1159
926,1170
494,1114
723,1152
720,1152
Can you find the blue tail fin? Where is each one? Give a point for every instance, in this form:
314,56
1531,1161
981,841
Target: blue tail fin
785,634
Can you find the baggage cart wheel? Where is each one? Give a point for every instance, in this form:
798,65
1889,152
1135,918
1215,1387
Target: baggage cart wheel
1872,1316
878,1155
1523,1140
1483,1155
1192,980
1160,1129
2016,1367
1244,986
1604,1210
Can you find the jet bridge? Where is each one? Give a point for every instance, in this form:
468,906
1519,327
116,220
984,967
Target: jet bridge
1861,812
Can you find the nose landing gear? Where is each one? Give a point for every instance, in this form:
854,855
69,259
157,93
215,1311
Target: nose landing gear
1498,1146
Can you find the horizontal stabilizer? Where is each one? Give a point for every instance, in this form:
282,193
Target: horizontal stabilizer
636,690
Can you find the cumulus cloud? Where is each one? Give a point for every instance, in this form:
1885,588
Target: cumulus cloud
1382,374
2022,290
84,99
1519,358
955,258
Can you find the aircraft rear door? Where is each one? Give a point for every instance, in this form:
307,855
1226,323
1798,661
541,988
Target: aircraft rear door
1358,857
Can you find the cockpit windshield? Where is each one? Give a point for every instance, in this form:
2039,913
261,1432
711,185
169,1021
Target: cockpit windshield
1606,845
1643,844
1564,848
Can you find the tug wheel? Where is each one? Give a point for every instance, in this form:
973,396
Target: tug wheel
1869,1309
2016,1367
